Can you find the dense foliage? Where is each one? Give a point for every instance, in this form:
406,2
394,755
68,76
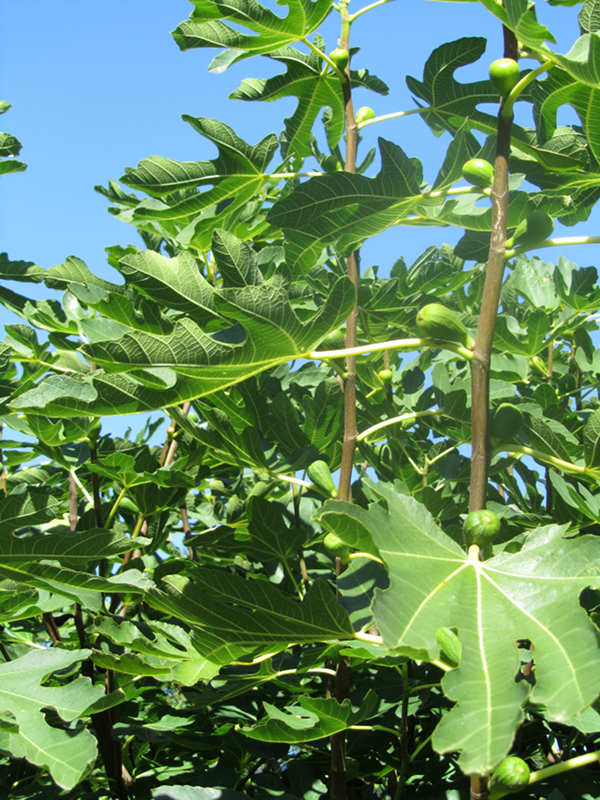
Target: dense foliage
218,618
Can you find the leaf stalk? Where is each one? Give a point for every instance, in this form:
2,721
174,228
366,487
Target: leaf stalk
565,466
413,415
367,8
509,101
561,241
395,344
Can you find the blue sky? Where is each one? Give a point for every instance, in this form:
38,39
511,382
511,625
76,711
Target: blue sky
99,85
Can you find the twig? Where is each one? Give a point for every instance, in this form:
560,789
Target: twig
96,489
480,366
4,651
51,627
337,790
187,531
297,525
109,748
3,472
141,527
548,481
404,734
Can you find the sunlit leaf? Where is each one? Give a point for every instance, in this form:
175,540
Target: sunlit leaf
345,209
314,88
251,614
167,370
530,595
68,754
71,549
314,718
268,31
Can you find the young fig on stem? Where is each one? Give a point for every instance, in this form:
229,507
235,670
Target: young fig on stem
340,58
478,172
505,423
435,321
567,383
364,114
450,646
335,340
504,75
511,775
481,527
330,164
335,546
533,230
320,475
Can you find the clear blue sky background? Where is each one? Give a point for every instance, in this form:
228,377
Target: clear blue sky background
99,85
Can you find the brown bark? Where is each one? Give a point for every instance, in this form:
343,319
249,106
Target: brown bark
337,789
480,366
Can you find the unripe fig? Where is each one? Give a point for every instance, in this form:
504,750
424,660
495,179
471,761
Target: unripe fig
385,375
320,475
364,114
259,489
504,75
435,321
340,58
334,341
532,230
538,363
511,775
567,383
478,172
234,508
506,422
450,646
481,527
330,164
335,546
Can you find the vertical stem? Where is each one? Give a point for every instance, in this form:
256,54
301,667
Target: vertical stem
4,652
110,749
141,527
3,471
96,489
51,627
479,787
171,444
548,481
72,501
386,365
48,617
185,521
166,457
350,432
480,366
550,362
404,736
303,570
337,790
